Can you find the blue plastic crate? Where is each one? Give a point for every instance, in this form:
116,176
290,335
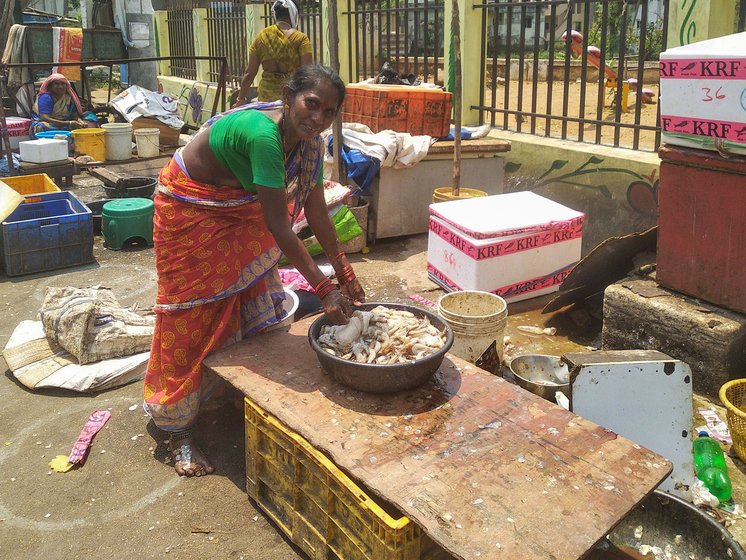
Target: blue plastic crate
56,232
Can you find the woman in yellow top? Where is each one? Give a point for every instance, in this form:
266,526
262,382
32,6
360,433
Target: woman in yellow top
280,49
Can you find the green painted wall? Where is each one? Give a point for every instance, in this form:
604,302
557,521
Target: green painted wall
194,98
615,188
691,21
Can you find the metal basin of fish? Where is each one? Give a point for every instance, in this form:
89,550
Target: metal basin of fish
382,378
672,525
541,374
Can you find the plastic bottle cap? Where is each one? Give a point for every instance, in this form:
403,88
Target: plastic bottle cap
703,434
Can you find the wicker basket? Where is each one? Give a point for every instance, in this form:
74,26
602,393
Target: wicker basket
733,397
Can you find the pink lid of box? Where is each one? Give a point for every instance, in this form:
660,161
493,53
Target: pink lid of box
505,214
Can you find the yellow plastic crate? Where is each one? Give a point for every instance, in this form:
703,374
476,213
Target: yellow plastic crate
318,506
29,185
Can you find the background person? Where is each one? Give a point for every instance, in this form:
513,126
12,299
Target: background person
57,107
280,49
223,218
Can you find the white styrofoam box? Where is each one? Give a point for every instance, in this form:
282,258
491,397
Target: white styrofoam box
703,92
43,150
18,130
518,245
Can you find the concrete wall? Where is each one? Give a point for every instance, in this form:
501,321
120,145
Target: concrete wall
136,16
194,98
615,188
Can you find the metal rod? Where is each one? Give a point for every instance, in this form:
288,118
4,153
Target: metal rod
338,172
601,73
550,68
584,67
521,64
456,30
4,134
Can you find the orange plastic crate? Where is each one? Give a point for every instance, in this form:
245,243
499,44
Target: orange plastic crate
416,110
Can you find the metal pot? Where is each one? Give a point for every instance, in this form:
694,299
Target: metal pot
132,187
381,378
663,517
541,374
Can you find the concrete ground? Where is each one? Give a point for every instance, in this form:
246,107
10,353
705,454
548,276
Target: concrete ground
126,500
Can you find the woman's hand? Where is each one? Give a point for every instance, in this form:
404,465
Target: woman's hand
354,291
337,307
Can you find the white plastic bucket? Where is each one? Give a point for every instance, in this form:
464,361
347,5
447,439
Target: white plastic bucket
477,319
147,140
118,141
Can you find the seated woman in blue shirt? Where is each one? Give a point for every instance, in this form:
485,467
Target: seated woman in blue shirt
57,107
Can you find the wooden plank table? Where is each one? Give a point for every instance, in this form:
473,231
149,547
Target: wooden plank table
487,469
60,171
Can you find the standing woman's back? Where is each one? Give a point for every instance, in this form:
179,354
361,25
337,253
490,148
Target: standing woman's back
280,50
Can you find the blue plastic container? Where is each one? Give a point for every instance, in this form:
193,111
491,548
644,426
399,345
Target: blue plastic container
53,133
54,233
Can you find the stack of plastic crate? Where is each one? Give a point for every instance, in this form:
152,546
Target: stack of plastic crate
412,109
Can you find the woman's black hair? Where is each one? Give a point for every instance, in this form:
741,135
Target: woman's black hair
309,76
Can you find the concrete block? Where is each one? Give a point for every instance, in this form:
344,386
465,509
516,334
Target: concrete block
639,314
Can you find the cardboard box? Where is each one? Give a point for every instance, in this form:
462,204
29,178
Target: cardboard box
43,150
518,245
703,94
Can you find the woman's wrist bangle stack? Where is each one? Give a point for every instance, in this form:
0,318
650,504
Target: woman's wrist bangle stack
324,288
346,275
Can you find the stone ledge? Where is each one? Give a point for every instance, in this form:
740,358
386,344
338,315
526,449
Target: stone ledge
639,314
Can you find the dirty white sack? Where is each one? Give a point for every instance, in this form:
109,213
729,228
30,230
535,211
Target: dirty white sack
39,363
91,324
137,101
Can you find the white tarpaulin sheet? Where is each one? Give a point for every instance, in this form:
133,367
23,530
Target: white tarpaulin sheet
40,363
137,102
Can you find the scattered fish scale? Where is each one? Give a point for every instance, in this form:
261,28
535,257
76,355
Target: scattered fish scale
382,336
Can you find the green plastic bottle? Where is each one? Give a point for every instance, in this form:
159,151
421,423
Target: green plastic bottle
717,482
710,466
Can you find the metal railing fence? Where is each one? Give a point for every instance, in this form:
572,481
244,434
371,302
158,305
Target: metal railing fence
226,36
181,43
227,32
406,33
530,82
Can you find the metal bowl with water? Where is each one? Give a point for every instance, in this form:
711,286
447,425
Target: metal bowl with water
382,378
541,374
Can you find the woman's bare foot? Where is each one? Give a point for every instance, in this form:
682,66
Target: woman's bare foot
188,459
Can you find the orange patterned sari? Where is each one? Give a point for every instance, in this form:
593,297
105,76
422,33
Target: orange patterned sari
217,280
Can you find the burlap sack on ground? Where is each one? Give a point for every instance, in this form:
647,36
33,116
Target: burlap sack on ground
91,324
